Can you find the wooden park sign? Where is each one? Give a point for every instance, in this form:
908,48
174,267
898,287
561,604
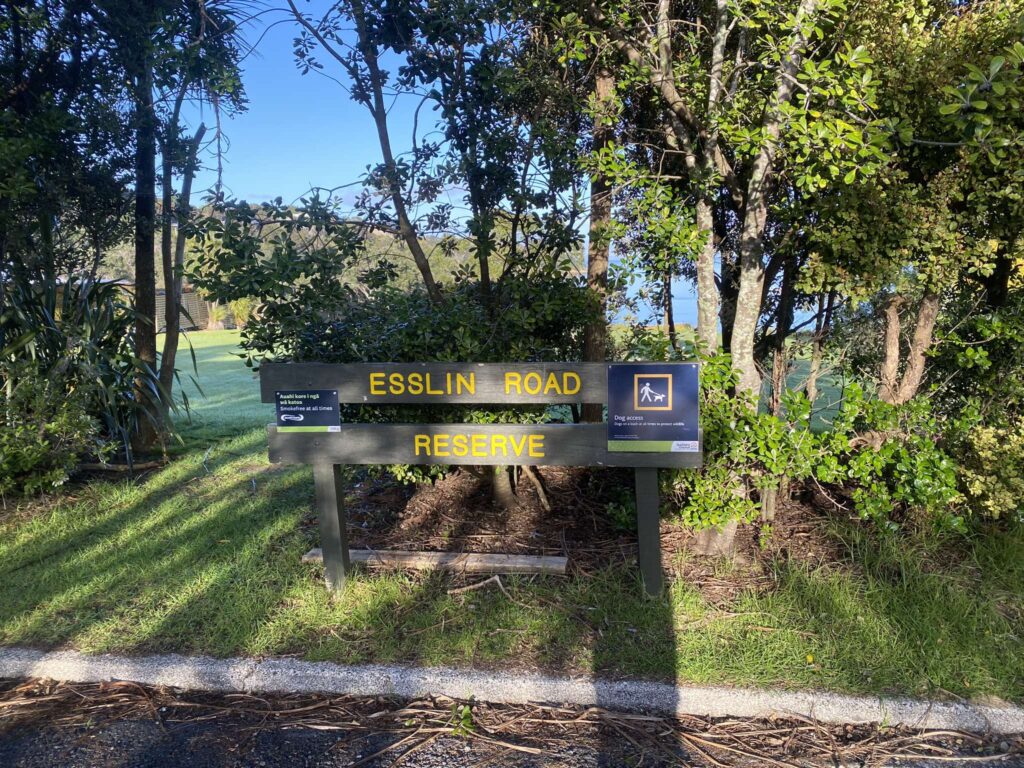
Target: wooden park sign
652,423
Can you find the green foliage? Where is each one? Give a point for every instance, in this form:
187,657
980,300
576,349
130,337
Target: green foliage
295,263
217,314
746,452
534,321
44,430
497,166
991,468
896,462
80,334
980,354
621,509
886,459
462,720
241,310
289,261
65,146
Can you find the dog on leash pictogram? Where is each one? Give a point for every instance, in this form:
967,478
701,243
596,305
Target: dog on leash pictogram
652,392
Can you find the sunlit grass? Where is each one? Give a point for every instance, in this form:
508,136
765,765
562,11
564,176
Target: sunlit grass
204,557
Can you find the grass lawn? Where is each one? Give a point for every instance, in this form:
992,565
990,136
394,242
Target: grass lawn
224,398
203,557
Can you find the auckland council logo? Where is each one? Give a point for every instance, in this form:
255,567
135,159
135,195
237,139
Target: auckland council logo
652,392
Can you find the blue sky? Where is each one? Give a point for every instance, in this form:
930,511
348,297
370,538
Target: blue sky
299,131
302,131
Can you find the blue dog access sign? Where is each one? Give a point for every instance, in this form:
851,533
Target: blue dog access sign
653,407
308,410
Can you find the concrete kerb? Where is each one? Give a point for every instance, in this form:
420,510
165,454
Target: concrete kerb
292,676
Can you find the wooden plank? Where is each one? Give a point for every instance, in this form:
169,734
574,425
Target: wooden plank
460,383
648,523
464,562
567,445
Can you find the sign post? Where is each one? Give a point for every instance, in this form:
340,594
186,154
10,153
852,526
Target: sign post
652,408
652,423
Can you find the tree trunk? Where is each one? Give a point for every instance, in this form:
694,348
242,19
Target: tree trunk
729,293
670,320
811,388
595,339
717,542
379,112
707,291
913,375
920,344
889,374
821,326
173,265
503,492
997,284
145,271
783,324
748,312
894,388
755,211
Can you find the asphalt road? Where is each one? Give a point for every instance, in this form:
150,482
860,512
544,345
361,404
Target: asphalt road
144,744
138,743
121,724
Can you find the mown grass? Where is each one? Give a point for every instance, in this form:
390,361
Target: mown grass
223,395
203,557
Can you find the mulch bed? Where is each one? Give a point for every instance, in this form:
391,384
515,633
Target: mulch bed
534,730
458,514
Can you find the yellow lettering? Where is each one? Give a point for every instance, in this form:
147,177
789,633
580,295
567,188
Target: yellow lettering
377,384
432,391
415,383
537,446
573,377
513,380
479,446
535,389
397,384
469,384
552,385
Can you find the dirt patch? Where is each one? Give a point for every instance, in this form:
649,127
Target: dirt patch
458,514
589,522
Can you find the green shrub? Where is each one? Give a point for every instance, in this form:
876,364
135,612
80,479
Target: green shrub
310,311
44,430
745,452
216,316
888,460
991,469
241,310
895,462
78,335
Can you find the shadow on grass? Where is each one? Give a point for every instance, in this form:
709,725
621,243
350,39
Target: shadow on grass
207,560
917,617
